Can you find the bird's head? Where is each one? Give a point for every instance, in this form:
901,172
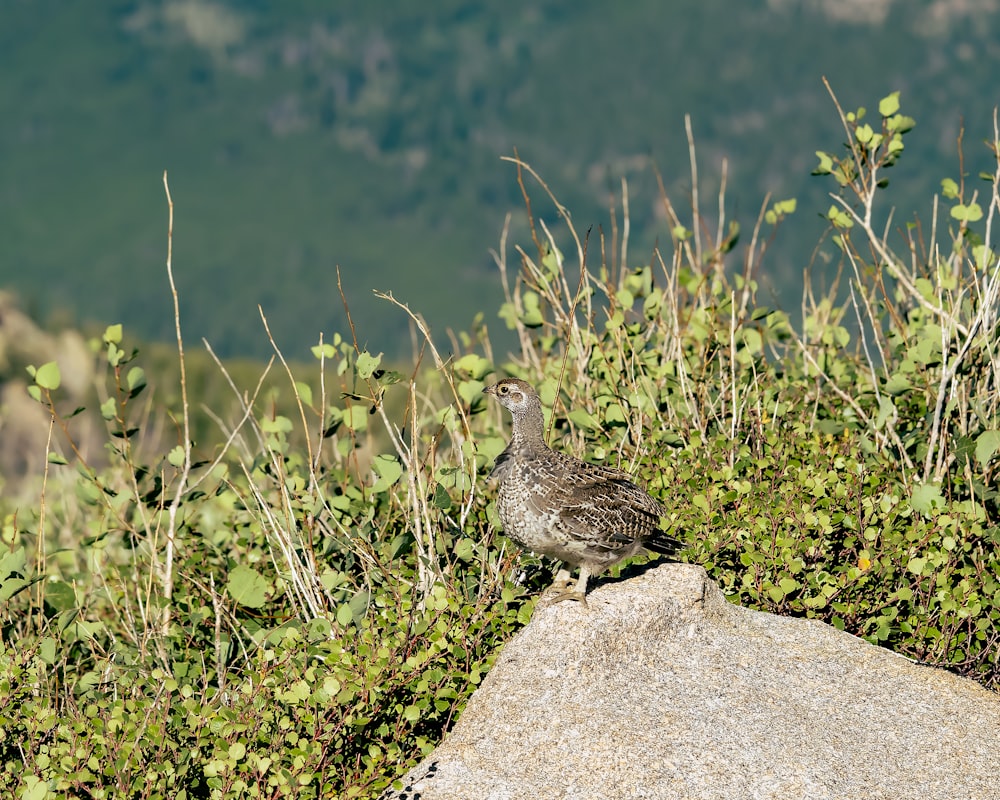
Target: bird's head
514,395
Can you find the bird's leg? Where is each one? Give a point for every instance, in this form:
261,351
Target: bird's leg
560,590
562,580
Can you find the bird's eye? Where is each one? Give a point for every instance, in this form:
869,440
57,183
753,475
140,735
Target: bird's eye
503,389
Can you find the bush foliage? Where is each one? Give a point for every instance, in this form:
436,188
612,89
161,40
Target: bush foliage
304,605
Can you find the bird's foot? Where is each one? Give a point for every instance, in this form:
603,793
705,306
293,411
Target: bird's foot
560,589
556,594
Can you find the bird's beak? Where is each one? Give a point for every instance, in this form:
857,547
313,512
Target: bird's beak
490,389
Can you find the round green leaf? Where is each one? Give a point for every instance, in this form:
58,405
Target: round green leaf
388,470
247,587
176,456
926,497
987,445
47,376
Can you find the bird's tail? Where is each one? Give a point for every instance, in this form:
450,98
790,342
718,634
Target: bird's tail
662,543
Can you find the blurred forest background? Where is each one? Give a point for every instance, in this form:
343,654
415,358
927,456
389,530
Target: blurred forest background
303,136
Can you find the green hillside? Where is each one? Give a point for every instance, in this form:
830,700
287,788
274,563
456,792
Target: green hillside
302,136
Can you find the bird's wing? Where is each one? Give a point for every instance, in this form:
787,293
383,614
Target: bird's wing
502,466
603,506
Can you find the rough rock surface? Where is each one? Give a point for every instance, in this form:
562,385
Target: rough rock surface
663,689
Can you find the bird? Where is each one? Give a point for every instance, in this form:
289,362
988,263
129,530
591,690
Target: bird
586,515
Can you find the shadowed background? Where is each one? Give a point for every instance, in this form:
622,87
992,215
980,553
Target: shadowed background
301,137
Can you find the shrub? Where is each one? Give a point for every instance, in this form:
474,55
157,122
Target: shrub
305,604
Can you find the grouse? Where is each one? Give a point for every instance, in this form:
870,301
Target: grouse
586,515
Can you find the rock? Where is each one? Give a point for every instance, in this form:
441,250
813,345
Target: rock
24,423
23,342
663,689
24,430
76,363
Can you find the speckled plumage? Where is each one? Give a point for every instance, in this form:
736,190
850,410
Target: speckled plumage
587,515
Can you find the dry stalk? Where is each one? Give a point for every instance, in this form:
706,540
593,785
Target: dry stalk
185,469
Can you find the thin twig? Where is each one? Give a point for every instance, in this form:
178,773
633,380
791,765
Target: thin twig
185,470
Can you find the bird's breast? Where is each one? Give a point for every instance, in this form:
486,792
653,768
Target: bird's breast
525,517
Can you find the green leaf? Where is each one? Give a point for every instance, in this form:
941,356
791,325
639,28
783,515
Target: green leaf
614,321
359,604
926,497
839,218
47,650
470,391
56,458
831,427
972,212
652,304
33,788
949,188
441,498
60,595
753,342
889,105
987,445
700,501
897,384
136,380
176,456
491,446
984,256
276,424
388,469
66,618
357,418
886,412
464,549
12,573
115,354
109,409
89,681
509,315
899,124
47,376
367,364
783,208
532,315
325,351
584,419
475,366
247,586
13,561
113,334
825,166
552,260
305,392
